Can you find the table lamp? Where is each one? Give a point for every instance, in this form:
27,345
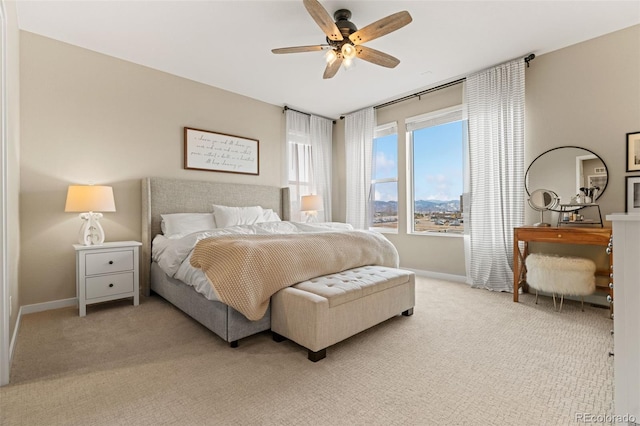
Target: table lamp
90,199
310,205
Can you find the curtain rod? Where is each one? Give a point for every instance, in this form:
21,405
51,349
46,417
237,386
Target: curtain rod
530,57
419,94
285,108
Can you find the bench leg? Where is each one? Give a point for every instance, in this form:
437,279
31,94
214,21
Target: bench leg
317,356
408,312
277,337
233,344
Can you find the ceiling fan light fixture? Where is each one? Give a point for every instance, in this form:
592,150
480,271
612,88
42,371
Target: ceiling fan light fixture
348,51
348,63
344,40
331,56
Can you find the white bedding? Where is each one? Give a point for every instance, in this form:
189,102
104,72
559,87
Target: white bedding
173,255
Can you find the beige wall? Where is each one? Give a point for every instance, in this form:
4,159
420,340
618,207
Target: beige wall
587,95
13,159
90,118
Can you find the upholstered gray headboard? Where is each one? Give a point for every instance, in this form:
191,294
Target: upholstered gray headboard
165,195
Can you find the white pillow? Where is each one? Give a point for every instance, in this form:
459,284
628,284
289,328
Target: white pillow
270,216
177,225
231,216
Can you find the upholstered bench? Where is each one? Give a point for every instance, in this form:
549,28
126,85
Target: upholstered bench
562,275
326,310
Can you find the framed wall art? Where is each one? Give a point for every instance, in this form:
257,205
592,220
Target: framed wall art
632,191
633,152
219,152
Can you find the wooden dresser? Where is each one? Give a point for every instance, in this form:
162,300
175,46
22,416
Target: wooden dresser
561,235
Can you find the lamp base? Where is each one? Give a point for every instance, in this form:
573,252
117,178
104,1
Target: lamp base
91,232
312,216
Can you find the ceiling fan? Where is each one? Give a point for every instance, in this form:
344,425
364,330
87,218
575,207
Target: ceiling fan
344,40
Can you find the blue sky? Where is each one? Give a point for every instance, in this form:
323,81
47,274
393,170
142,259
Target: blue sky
437,163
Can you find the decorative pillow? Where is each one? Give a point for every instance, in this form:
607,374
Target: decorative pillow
177,225
231,216
270,216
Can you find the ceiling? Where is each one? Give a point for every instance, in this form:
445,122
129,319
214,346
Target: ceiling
227,44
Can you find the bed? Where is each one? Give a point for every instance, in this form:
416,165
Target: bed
199,254
165,195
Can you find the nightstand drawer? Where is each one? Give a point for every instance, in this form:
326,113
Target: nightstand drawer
106,263
108,285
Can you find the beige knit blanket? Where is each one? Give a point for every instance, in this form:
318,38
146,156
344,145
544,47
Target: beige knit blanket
245,270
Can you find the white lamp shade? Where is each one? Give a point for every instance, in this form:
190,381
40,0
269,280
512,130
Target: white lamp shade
90,198
311,203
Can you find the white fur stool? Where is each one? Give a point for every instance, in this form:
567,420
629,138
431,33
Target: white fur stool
573,276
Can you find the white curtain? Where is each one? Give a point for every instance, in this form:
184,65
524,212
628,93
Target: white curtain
308,159
359,130
495,102
321,141
298,159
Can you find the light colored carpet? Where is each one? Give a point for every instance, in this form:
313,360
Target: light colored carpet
466,357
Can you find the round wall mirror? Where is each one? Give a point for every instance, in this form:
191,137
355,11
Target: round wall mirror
543,200
564,171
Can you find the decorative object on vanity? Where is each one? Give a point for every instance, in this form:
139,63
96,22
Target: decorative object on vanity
107,272
570,214
542,200
573,276
589,194
90,200
344,40
633,152
632,191
220,152
310,205
565,170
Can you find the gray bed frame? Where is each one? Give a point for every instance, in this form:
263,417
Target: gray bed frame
166,195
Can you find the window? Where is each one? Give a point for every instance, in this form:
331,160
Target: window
436,163
300,175
384,178
308,159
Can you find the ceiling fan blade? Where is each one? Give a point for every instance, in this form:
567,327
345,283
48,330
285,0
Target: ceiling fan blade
376,57
323,19
381,27
332,68
298,49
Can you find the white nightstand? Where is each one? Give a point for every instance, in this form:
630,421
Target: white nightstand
107,272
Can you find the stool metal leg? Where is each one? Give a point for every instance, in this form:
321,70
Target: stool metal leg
554,302
561,300
536,296
582,300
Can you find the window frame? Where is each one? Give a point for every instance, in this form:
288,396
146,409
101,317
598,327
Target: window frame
297,186
431,119
381,131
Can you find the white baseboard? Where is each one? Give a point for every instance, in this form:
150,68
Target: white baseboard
47,306
439,275
37,307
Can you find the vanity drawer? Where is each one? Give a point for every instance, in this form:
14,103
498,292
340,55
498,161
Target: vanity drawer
108,285
108,262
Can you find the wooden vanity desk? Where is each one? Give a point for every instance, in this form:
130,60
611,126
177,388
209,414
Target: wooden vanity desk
552,234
